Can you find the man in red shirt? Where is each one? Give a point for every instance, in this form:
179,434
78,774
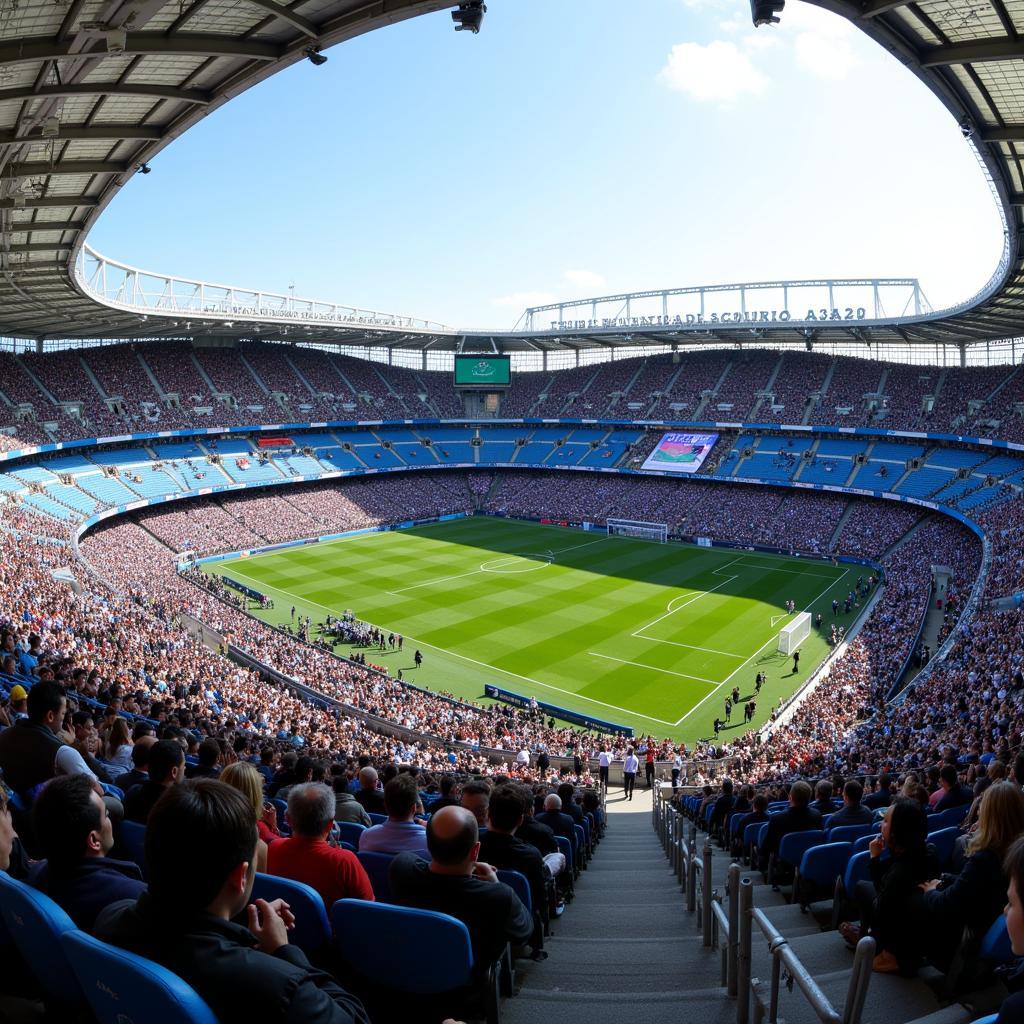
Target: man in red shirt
306,856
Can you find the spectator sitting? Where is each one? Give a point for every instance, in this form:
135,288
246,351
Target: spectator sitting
19,701
1012,1010
853,812
247,780
500,847
974,898
208,754
446,787
199,852
475,798
560,823
954,794
723,806
30,752
73,831
822,802
567,792
882,796
758,814
400,833
166,770
306,856
346,806
371,799
456,882
799,817
892,904
118,753
140,764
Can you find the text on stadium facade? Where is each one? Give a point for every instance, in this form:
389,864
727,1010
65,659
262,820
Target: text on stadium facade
756,316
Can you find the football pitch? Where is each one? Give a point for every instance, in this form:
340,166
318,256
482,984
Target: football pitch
653,636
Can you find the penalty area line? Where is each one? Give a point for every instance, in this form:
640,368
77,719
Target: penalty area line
654,668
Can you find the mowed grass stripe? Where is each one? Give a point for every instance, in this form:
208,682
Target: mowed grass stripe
538,631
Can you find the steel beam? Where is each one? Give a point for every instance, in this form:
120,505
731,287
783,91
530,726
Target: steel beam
157,92
873,8
1007,133
40,168
980,52
141,44
49,203
87,133
32,226
306,27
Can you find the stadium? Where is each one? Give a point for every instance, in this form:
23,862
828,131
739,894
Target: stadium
660,653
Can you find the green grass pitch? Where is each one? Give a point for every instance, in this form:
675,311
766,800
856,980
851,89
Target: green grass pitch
649,635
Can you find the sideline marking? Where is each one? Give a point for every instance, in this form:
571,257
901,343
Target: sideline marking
654,668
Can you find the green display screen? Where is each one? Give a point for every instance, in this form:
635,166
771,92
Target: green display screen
483,371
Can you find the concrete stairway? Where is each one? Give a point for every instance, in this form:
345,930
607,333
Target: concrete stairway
626,945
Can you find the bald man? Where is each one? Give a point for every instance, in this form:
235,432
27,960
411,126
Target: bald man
455,882
368,794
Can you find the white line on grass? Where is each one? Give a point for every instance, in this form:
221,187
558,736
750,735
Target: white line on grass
835,582
475,572
654,668
689,647
685,604
461,657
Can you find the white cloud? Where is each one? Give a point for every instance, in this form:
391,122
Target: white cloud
584,279
522,300
825,55
719,72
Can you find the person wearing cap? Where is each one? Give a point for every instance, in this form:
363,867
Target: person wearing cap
19,701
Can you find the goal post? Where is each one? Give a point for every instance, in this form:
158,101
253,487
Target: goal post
792,635
638,528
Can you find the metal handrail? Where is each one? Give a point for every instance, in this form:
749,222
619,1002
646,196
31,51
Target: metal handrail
783,956
724,925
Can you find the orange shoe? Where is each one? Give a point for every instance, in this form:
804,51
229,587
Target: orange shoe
885,963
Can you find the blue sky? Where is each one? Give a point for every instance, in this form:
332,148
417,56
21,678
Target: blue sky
573,148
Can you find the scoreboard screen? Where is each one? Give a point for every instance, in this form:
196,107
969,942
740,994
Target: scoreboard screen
680,453
483,371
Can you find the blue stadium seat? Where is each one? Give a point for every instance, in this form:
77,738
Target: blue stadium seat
312,932
36,924
377,819
581,841
948,817
995,947
350,831
131,838
122,987
434,950
377,866
517,882
848,833
793,846
857,870
944,840
820,866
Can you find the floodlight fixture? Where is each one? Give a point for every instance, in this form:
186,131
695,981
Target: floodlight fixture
117,40
966,128
143,168
470,16
314,56
764,12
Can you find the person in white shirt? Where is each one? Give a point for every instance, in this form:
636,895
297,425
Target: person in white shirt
629,770
677,767
604,762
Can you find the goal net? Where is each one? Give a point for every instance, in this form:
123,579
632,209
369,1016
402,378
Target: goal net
638,528
793,635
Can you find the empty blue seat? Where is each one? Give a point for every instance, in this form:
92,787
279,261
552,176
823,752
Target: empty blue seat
36,923
312,932
377,866
377,819
996,947
350,831
948,817
131,837
517,882
848,833
122,987
944,840
820,866
793,845
433,949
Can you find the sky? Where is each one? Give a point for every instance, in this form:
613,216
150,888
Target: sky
573,148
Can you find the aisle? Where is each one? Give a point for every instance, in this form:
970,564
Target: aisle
626,942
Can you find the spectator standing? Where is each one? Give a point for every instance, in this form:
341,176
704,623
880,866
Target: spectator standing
630,766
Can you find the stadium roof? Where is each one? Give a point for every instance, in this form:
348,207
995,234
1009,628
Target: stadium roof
91,90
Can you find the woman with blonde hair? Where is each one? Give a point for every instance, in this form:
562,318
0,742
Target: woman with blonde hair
974,898
118,748
243,776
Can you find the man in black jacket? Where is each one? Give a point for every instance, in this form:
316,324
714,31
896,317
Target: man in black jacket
456,882
200,853
853,812
140,764
799,817
166,770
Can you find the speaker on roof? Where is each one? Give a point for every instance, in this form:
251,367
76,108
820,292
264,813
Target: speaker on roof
764,11
470,16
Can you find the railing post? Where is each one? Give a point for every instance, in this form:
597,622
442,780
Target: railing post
691,880
743,965
734,908
705,893
857,993
775,947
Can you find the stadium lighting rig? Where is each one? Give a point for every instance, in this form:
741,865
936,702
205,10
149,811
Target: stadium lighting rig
314,56
764,11
470,16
